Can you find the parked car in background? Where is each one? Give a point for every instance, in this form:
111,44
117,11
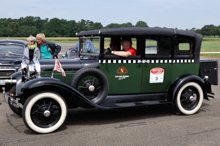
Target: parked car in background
70,54
166,70
11,53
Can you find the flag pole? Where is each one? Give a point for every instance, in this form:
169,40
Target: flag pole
54,67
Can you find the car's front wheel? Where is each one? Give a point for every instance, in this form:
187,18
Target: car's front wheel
189,98
44,112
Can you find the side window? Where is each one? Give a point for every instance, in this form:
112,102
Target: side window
183,48
158,47
115,43
150,46
107,41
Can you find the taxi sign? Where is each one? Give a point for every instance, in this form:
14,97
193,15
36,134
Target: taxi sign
156,75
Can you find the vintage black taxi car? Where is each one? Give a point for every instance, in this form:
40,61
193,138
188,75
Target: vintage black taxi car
166,70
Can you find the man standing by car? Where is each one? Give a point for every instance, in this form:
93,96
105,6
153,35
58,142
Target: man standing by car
48,50
88,47
128,50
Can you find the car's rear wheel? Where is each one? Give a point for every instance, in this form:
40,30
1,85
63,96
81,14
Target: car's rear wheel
44,112
92,83
189,98
17,111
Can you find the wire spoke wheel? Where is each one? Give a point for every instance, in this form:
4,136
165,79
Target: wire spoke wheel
91,83
44,112
90,86
189,98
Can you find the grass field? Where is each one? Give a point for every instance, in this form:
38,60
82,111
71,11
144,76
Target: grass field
208,44
50,39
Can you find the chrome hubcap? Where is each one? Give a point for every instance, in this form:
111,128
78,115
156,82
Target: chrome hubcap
46,113
191,98
91,88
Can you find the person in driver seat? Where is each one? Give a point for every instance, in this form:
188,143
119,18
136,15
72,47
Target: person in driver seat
127,50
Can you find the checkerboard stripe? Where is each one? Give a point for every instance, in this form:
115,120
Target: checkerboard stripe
139,61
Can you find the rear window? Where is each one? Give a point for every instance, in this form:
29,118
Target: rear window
183,47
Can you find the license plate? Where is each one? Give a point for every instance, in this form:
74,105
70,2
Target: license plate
2,82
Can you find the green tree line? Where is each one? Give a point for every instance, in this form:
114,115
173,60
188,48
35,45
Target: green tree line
55,27
24,27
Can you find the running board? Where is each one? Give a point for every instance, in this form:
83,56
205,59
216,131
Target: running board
135,104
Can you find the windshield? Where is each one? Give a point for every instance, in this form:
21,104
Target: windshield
89,46
11,49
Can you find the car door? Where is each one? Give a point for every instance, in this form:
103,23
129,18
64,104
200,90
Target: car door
124,73
124,76
184,63
157,66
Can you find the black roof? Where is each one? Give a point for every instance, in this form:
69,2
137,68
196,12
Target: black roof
139,31
8,41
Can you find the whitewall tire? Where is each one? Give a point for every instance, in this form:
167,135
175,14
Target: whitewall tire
189,98
44,112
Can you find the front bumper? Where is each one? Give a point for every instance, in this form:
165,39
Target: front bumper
10,100
8,81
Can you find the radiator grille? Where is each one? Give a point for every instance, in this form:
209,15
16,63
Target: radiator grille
6,73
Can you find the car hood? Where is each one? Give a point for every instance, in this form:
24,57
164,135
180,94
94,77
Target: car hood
10,60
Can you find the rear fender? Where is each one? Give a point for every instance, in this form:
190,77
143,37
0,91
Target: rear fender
70,94
181,81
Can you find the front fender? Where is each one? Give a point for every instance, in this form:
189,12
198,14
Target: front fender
70,94
18,77
182,80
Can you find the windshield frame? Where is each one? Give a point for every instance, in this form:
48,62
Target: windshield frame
89,55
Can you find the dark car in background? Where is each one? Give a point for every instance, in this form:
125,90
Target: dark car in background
11,53
70,54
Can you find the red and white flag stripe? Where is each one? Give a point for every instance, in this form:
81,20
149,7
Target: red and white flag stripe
59,68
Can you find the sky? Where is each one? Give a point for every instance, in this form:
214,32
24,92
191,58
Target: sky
181,14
